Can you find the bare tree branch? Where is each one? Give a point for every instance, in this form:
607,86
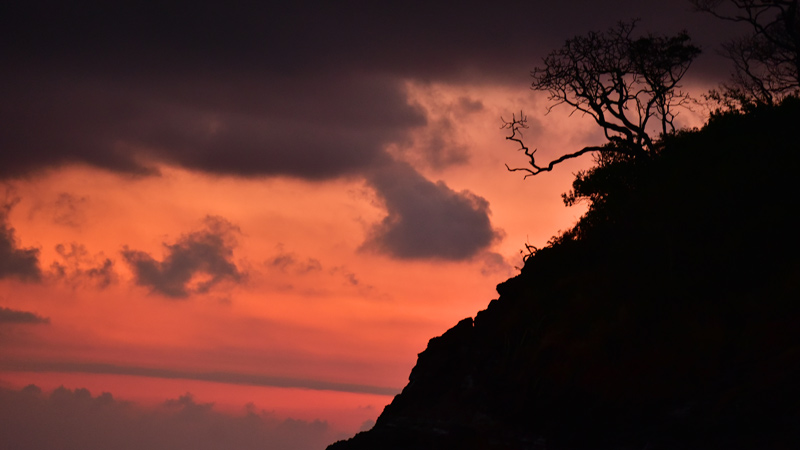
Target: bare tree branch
516,125
624,83
766,62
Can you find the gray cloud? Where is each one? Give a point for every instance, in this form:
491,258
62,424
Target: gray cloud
78,267
422,39
8,315
349,277
67,210
208,252
439,147
441,143
75,419
367,425
22,263
428,220
467,105
289,262
495,264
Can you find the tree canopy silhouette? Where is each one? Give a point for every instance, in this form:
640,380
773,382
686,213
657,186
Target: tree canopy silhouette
767,61
629,85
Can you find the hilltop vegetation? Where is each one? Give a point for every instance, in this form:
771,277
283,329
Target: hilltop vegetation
665,319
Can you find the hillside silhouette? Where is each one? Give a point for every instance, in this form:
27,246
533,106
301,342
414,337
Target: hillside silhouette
667,318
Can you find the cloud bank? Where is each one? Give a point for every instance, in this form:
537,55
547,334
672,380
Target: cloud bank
68,418
240,124
309,89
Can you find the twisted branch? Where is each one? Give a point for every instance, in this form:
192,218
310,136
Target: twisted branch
516,125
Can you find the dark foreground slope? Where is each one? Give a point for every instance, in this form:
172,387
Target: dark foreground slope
668,319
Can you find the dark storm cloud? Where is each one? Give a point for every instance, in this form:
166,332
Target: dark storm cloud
307,89
428,220
419,39
69,418
240,125
8,315
22,263
207,253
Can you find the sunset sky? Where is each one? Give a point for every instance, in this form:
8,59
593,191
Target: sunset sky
272,208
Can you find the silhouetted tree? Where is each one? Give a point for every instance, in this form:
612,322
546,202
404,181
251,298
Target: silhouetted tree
766,62
627,84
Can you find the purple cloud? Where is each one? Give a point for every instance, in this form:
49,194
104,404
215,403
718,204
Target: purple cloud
75,419
208,253
8,315
22,263
427,220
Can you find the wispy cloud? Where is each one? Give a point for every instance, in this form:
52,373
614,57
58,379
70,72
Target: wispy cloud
78,267
8,315
287,261
219,377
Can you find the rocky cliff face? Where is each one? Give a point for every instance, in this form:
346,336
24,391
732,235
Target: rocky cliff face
671,320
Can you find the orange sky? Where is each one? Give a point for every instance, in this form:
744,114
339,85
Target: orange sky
243,212
315,307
